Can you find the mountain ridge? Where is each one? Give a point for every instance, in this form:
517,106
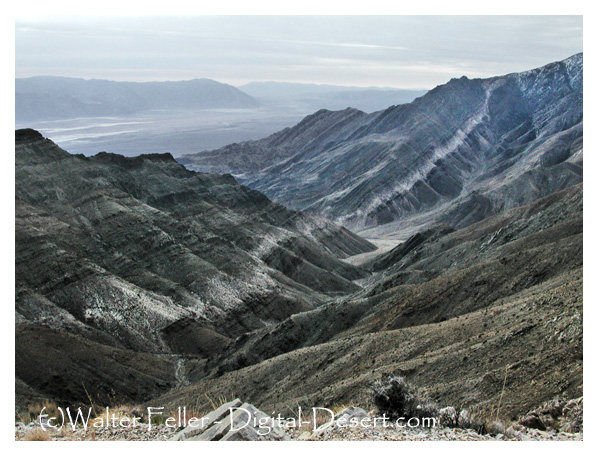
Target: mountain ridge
451,148
312,131
58,97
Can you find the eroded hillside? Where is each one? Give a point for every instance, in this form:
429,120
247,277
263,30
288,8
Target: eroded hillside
458,313
145,255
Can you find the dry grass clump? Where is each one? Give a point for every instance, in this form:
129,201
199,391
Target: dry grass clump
118,413
32,412
338,408
218,402
37,435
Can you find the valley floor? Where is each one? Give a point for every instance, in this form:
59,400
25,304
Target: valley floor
384,245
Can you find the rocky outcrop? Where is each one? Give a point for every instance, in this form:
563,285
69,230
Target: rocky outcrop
558,414
233,421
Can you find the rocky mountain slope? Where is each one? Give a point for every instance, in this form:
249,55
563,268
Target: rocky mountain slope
312,133
53,97
462,152
484,317
140,254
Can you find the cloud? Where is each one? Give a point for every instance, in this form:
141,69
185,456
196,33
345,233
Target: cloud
348,45
414,51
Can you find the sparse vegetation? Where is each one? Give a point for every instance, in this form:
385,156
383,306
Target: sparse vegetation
397,398
37,434
120,412
35,409
219,401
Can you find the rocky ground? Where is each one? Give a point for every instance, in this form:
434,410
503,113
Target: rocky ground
555,420
379,433
34,432
438,434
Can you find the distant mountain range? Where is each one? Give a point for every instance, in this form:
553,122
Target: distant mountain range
465,150
318,96
52,97
47,98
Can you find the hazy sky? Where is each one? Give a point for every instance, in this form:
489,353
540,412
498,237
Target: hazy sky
395,51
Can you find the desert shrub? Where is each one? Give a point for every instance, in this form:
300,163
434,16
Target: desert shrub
474,421
158,419
449,417
35,409
396,398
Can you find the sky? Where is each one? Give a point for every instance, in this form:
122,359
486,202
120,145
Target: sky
390,51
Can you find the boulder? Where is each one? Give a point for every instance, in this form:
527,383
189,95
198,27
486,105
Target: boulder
465,419
448,417
533,421
349,413
515,430
233,421
341,419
